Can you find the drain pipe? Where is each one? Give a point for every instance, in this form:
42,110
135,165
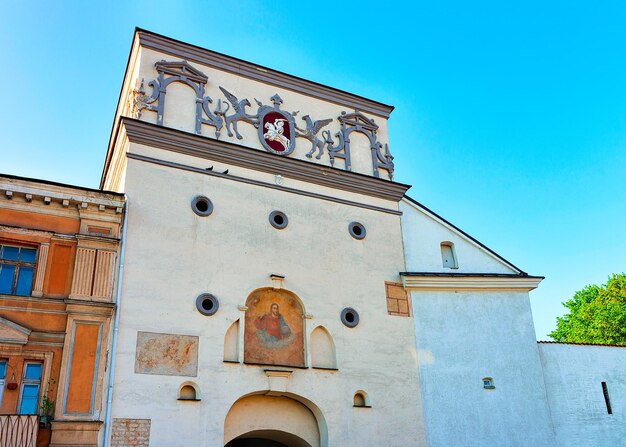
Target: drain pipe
116,321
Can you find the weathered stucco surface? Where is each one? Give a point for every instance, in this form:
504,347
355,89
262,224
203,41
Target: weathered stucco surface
573,376
173,255
167,354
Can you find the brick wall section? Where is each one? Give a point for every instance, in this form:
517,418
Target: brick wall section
130,433
397,300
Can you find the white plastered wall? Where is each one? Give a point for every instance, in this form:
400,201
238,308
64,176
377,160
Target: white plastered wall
464,336
423,235
573,377
173,255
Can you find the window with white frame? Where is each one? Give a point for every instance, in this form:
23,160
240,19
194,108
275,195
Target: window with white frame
31,384
17,268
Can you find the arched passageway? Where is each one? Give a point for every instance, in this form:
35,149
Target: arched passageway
268,438
261,420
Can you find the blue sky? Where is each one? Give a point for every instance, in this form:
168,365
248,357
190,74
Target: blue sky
510,119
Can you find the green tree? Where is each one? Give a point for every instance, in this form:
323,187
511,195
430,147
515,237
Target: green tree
597,314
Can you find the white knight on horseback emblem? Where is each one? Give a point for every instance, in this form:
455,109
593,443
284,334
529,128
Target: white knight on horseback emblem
275,132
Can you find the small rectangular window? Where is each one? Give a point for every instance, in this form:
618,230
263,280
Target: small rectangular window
448,257
17,266
607,400
31,383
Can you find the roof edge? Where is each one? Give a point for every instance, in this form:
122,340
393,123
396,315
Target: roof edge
240,67
473,275
474,240
606,345
116,113
438,282
63,185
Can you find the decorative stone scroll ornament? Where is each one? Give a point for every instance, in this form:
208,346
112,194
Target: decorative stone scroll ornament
357,122
177,72
277,129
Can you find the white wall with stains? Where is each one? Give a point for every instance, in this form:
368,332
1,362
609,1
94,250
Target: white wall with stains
573,376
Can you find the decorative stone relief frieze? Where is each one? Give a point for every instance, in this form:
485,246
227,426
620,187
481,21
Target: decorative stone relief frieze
277,128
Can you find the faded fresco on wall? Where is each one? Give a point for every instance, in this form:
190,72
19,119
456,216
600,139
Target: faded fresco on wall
166,354
274,329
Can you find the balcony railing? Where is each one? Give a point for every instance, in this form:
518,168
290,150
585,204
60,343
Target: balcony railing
19,430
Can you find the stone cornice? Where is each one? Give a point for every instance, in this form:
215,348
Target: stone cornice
31,194
256,72
28,231
148,134
470,282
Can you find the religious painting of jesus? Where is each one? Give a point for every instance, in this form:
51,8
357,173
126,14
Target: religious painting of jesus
274,329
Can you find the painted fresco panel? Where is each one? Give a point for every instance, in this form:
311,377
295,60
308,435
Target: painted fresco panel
274,329
166,354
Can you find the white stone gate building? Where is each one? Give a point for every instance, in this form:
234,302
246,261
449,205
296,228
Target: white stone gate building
280,289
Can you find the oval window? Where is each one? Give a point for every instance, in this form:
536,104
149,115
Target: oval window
202,206
207,304
278,219
357,230
349,317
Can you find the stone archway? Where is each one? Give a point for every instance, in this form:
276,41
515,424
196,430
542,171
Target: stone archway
261,420
268,438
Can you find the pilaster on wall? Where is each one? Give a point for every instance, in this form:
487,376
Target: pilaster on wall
41,269
83,272
103,276
94,269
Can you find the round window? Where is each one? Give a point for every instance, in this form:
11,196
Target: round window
278,219
202,206
207,304
349,317
357,230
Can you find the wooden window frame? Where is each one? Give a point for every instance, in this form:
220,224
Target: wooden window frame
19,265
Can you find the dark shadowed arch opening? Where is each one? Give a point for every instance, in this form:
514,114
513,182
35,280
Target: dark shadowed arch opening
268,438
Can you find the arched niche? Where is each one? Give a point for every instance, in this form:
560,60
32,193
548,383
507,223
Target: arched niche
361,399
231,343
322,349
179,111
189,391
361,153
274,328
289,420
